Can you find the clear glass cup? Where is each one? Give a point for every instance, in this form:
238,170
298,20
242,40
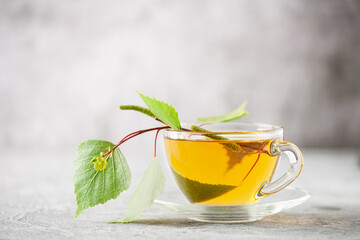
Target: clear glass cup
234,164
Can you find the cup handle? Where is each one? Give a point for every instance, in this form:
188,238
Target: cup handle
296,165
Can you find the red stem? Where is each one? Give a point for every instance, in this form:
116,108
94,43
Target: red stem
133,134
252,167
255,161
157,132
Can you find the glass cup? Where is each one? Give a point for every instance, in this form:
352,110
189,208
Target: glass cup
233,164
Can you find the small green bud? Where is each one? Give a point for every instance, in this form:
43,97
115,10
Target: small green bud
99,163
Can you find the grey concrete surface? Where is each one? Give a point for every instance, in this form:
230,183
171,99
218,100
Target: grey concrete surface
37,202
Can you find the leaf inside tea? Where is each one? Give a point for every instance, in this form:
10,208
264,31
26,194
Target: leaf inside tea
198,192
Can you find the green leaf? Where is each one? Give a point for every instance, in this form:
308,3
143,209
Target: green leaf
98,186
238,113
198,192
162,111
149,187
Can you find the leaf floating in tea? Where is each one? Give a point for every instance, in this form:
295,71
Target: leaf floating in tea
199,192
248,148
237,113
234,159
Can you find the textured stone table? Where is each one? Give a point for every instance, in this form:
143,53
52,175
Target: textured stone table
37,202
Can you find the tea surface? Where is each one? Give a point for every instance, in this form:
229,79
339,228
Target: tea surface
209,172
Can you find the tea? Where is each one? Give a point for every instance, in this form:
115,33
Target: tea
211,172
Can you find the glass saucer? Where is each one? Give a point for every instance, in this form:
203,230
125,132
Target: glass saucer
285,199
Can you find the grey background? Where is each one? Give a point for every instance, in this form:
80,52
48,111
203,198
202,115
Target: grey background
65,66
